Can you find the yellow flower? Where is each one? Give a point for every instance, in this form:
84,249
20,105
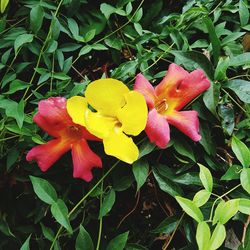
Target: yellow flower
118,113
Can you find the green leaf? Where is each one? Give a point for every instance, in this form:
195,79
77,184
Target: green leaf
138,28
244,13
137,17
146,148
218,237
73,27
99,46
213,39
167,226
203,235
26,244
211,98
233,173
85,50
108,203
47,232
167,185
190,208
107,10
61,76
245,179
60,212
232,37
183,148
89,35
119,242
16,85
244,206
44,190
84,239
206,178
140,170
218,211
21,40
36,18
241,151
240,60
240,87
230,208
201,197
12,158
4,4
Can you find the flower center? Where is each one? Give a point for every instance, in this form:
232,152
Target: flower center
74,132
161,106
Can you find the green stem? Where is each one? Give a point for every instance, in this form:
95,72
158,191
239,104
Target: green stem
82,200
100,222
219,198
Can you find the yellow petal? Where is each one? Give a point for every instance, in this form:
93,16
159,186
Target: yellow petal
133,116
99,125
121,146
76,108
106,95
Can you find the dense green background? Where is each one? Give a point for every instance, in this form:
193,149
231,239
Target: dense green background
56,48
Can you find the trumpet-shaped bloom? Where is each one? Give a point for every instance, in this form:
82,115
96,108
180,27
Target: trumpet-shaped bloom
166,100
118,113
53,118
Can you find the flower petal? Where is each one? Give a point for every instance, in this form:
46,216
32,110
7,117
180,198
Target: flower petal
143,86
157,129
98,124
172,79
54,111
76,107
133,116
121,146
84,159
179,87
106,95
187,122
47,154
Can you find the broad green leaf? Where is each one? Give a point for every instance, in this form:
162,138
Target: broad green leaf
146,148
47,232
119,242
108,203
4,227
240,87
183,148
244,206
240,60
167,185
218,212
245,179
73,27
21,40
84,239
241,151
140,170
107,10
26,244
211,98
244,13
206,178
233,173
60,212
4,4
85,50
89,35
129,8
17,85
218,237
99,46
12,157
232,37
36,18
226,112
61,76
167,226
190,208
203,235
44,190
201,197
230,208
213,39
138,15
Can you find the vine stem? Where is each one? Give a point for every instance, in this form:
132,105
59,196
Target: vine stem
42,50
100,221
82,200
220,197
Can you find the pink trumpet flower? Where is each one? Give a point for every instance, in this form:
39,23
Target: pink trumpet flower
166,100
53,118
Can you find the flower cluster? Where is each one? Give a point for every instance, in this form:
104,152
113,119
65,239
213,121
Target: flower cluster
112,113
